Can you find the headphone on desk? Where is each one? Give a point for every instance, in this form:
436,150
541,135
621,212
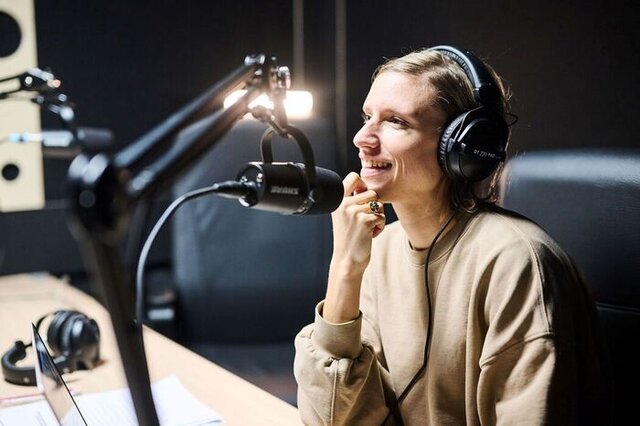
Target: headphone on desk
74,340
473,144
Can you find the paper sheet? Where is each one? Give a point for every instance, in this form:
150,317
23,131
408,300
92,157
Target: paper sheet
175,405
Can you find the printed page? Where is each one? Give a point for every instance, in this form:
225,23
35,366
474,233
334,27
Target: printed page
32,414
175,406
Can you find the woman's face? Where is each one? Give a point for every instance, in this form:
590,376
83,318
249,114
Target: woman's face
399,138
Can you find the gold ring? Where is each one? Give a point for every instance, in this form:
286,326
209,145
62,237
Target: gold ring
374,206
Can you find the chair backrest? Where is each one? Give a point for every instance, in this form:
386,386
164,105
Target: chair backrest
244,275
589,202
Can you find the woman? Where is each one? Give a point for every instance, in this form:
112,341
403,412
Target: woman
498,328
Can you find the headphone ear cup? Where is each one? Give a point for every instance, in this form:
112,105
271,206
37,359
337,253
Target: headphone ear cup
54,331
445,148
66,338
474,151
485,139
81,342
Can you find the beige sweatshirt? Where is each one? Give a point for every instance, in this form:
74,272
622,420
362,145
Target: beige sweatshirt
515,338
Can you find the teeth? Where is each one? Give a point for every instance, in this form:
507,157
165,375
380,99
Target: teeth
378,164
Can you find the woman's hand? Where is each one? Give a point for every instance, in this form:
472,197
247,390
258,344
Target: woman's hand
355,224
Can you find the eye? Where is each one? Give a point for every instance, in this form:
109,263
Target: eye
365,117
398,122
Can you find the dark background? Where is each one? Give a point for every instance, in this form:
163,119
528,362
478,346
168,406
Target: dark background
129,64
570,64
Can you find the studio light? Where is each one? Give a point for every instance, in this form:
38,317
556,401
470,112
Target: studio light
298,103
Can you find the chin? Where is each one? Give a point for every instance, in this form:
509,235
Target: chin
379,187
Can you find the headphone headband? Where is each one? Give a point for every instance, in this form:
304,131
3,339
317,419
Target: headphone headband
485,89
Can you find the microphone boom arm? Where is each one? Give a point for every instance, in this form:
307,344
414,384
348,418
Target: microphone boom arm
106,189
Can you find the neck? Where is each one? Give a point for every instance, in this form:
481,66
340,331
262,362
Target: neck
422,221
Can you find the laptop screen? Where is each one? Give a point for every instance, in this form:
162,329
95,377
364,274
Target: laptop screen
53,387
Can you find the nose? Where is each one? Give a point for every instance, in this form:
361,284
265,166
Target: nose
366,137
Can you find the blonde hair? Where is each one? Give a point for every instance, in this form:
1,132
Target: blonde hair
453,96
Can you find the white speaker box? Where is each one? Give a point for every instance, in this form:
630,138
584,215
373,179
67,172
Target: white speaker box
21,169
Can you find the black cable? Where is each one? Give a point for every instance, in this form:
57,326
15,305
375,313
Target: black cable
224,187
427,343
420,372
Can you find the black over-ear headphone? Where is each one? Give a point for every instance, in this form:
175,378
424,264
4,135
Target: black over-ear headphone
74,340
473,144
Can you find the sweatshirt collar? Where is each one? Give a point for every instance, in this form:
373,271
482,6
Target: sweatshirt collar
445,242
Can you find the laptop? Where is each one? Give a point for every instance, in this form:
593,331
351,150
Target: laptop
53,386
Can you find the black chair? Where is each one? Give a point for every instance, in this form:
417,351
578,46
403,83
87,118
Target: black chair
589,202
247,280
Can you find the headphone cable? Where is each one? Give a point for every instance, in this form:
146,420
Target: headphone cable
423,367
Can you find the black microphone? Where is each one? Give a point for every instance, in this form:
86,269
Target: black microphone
284,188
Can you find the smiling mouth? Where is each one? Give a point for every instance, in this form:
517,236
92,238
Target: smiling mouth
380,165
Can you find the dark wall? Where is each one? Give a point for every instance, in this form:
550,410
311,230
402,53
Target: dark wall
129,64
570,64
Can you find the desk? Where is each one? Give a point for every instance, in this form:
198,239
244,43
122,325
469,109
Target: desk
24,298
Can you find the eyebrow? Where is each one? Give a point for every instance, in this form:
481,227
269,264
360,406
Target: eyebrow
414,116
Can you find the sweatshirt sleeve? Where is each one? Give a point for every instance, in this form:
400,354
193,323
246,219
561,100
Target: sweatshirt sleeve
518,363
340,380
537,362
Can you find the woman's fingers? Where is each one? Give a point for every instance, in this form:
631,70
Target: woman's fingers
369,206
375,206
355,190
379,224
353,184
373,215
361,205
